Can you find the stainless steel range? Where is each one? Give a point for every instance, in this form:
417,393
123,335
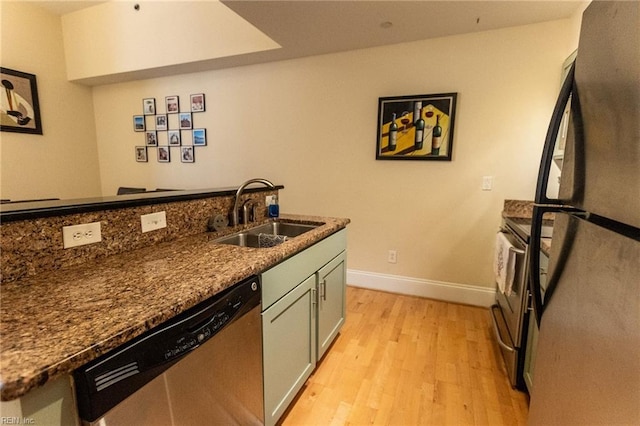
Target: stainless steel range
510,313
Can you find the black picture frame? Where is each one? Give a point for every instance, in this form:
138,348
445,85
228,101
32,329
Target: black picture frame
405,138
187,154
20,103
174,138
141,154
139,124
151,138
199,137
162,122
164,154
185,121
149,106
197,102
172,104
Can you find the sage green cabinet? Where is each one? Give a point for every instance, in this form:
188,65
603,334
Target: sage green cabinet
331,301
303,302
289,349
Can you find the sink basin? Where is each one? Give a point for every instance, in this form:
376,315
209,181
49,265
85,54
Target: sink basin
266,235
287,229
242,239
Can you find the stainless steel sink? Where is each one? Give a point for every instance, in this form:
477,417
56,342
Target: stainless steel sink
266,235
287,229
241,239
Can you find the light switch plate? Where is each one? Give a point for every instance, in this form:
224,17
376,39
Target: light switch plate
79,235
487,183
153,221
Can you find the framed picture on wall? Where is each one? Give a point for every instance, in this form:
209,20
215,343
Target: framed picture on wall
20,104
151,138
418,127
187,154
161,122
149,106
138,123
163,154
199,137
173,137
197,102
185,121
141,154
173,104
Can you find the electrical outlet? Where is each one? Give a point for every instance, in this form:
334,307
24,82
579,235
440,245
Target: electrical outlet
487,183
269,200
79,235
153,221
392,257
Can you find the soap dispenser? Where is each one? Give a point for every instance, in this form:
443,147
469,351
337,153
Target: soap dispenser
273,208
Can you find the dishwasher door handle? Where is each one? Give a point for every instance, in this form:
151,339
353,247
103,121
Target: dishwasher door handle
496,329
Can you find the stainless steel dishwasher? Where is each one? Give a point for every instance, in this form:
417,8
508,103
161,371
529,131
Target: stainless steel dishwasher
204,366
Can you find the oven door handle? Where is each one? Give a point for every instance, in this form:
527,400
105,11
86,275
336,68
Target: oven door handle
496,329
516,250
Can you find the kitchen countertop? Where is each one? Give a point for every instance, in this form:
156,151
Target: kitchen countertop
57,321
545,243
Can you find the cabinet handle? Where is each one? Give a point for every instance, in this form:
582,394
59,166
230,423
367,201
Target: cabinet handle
323,288
313,300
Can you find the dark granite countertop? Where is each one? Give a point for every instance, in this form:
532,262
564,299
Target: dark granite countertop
55,322
520,212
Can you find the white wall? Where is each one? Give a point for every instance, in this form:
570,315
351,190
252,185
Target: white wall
310,124
158,34
63,162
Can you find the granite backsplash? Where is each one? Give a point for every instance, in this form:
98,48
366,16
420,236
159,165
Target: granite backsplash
30,247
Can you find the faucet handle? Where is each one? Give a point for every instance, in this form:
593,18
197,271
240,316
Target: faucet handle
246,213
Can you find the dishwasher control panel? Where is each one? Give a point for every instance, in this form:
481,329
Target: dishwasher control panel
192,339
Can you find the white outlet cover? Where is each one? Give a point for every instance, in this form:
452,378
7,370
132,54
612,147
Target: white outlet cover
153,221
80,235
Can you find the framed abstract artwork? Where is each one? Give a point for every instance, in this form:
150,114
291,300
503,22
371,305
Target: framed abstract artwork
20,104
417,127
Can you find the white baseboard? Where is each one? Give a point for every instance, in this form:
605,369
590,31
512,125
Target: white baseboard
450,292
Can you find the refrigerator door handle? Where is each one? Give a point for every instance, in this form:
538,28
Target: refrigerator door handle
550,139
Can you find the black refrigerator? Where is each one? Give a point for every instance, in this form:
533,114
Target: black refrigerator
587,365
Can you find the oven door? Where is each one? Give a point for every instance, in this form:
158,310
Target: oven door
509,314
514,306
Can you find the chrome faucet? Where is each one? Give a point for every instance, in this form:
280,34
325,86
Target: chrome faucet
249,210
234,214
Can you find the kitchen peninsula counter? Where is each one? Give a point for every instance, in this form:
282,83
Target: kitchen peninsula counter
57,321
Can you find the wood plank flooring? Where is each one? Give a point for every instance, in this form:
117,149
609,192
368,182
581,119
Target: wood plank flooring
403,360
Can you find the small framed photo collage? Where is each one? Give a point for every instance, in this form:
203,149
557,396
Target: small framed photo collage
171,128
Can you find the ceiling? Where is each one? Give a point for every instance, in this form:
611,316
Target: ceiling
313,27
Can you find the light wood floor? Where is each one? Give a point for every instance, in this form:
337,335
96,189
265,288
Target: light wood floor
403,360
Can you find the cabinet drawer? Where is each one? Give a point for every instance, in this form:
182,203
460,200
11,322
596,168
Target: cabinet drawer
282,278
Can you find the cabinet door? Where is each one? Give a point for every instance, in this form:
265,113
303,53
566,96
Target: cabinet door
289,347
331,301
